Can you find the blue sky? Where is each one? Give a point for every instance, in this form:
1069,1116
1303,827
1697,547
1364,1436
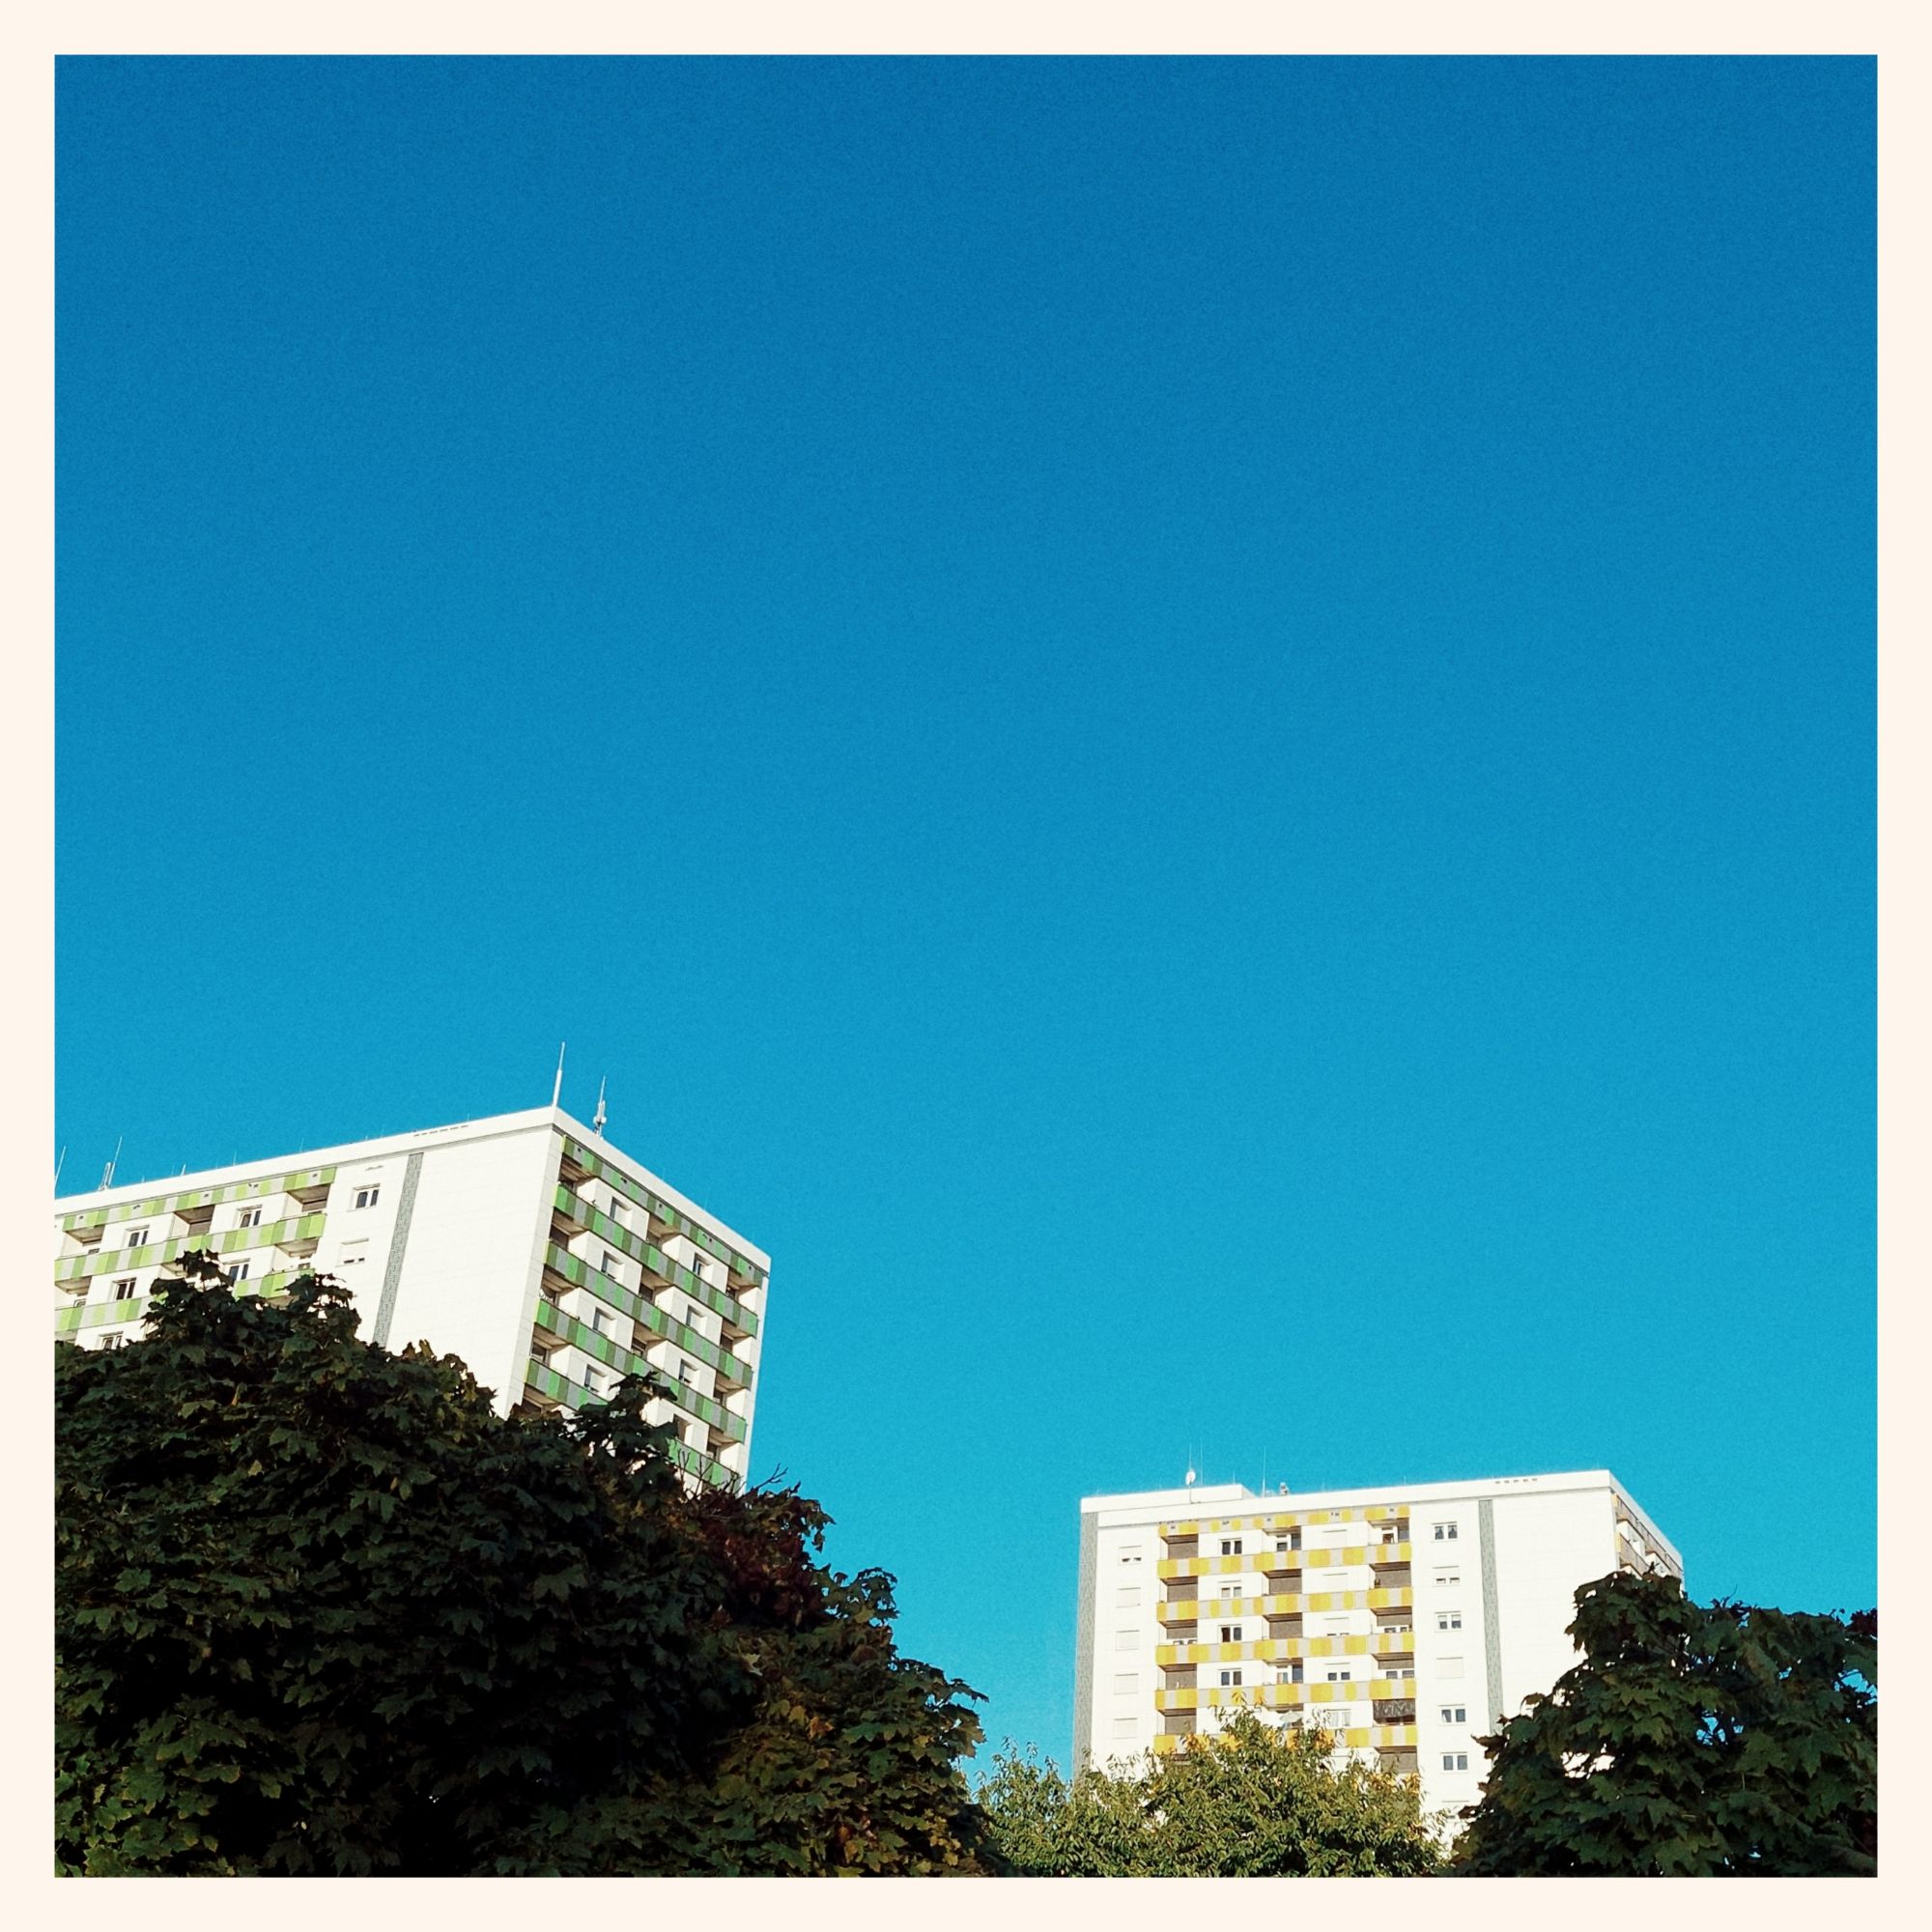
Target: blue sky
1198,732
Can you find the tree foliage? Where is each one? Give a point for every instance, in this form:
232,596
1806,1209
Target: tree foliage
321,1610
1255,1800
1692,1741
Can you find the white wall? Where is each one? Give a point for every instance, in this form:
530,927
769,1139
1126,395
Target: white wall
472,1251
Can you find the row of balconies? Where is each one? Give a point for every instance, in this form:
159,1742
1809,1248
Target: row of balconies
1190,1609
580,1164
1286,1645
294,1235
1378,1557
547,1390
1393,1698
1379,1521
578,1216
564,1274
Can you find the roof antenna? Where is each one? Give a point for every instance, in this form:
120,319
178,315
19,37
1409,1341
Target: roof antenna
598,1118
107,1171
556,1089
58,1165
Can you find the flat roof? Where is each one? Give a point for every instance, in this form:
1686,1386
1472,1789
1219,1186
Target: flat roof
487,1129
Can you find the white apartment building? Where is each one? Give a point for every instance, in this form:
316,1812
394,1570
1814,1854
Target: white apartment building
1409,1620
526,1244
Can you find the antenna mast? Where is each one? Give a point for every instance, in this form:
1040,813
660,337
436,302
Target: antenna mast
107,1171
599,1116
556,1089
58,1165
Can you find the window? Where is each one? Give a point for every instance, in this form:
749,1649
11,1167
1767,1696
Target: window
1127,1639
1281,1545
237,1271
1230,1546
137,1237
1124,1727
1455,1714
1448,1667
594,1380
1127,1598
249,1217
600,1321
609,1264
1229,1590
1448,1577
1455,1760
1131,1556
1126,1683
1284,1674
124,1288
1230,1677
367,1197
1341,1677
1231,1633
354,1252
1445,1532
1449,1620
113,1341
616,1212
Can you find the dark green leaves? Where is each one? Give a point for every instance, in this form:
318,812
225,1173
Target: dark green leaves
1691,1740
321,1610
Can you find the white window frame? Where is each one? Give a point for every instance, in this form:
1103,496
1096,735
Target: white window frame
367,1197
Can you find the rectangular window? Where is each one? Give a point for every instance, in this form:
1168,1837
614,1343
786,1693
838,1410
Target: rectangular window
1449,1620
1448,1667
1127,1598
237,1271
1126,1683
124,1288
1455,1760
1449,1577
616,1212
1231,1633
1131,1556
600,1321
1124,1727
249,1217
1341,1677
1230,1591
1230,1546
1445,1532
137,1237
367,1197
112,1341
354,1252
1230,1677
1127,1639
1455,1714
1283,1674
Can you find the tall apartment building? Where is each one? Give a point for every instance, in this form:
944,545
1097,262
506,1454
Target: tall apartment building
548,1262
1409,1620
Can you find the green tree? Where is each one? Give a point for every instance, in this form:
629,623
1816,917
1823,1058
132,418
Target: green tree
1256,1800
1690,1739
321,1610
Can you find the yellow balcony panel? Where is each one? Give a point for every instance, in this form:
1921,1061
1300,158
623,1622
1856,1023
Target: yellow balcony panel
1389,1556
1177,1699
1180,1566
1179,1611
1165,1744
1391,1600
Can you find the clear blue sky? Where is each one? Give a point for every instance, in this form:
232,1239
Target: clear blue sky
1199,732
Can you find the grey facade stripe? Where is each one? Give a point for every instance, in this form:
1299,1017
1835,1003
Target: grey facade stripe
1083,1647
1492,1636
393,1274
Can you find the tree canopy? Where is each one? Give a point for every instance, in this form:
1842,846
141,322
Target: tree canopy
321,1610
1256,1800
1691,1740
